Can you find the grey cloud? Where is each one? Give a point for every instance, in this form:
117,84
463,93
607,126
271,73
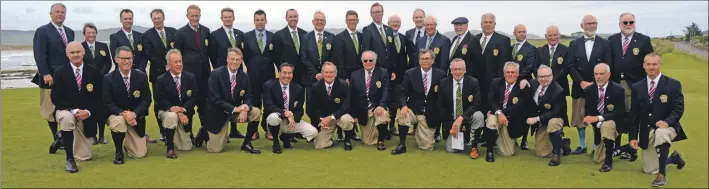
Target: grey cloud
82,10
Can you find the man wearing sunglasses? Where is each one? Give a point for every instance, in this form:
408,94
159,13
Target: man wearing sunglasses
370,95
628,48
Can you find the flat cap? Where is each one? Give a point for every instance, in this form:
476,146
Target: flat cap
460,20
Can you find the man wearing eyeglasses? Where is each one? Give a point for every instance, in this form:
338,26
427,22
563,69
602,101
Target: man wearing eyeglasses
628,48
584,53
317,48
378,38
370,96
547,113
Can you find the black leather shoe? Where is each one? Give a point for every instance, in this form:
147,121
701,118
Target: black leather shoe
287,145
388,137
102,140
171,154
340,138
348,146
55,145
236,134
579,150
292,139
400,149
516,144
118,160
380,146
276,149
659,181
605,168
566,149
676,158
555,160
250,149
524,146
71,166
490,157
198,141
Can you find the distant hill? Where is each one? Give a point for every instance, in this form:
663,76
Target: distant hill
530,36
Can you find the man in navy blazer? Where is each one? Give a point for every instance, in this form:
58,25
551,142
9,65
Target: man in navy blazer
49,44
129,38
258,55
435,41
156,42
97,55
224,38
378,37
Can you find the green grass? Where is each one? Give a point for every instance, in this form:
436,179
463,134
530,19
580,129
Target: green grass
25,162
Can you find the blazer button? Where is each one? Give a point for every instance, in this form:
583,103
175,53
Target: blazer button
649,114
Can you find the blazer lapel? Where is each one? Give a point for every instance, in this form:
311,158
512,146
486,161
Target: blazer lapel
291,94
659,87
596,47
631,44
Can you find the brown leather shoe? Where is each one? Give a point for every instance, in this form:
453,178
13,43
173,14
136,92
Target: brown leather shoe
269,136
171,154
474,153
150,140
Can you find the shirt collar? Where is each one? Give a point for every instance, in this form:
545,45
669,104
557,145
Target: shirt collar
656,80
605,87
173,75
159,30
127,32
513,84
463,35
128,76
286,85
426,72
292,30
378,25
521,43
322,33
433,36
456,81
629,37
57,26
232,73
351,32
192,26
91,44
81,67
228,29
329,85
553,46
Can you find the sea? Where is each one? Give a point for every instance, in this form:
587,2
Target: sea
17,67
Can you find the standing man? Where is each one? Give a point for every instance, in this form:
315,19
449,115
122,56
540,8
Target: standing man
258,55
553,55
507,115
547,114
283,102
459,105
378,38
347,55
99,58
76,93
584,54
193,42
399,61
129,38
222,39
157,41
628,48
126,94
175,94
605,107
438,43
230,101
524,54
414,34
418,101
370,97
330,99
467,47
287,46
317,49
49,47
656,119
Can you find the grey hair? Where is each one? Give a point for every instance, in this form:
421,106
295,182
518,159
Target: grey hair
652,55
607,68
371,52
56,4
482,18
435,20
511,64
318,12
544,67
328,63
123,48
457,60
425,51
394,16
626,13
584,17
170,52
419,9
550,27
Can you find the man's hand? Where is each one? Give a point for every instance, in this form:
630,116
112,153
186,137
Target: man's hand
661,124
128,115
393,76
325,122
531,120
244,108
502,119
403,113
456,127
291,123
356,121
242,116
590,119
48,80
176,109
184,120
634,144
523,84
585,84
318,76
379,111
289,114
348,82
133,123
81,115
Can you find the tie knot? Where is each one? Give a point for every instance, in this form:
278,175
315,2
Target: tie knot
230,31
652,82
626,38
601,89
293,32
319,34
260,34
177,78
284,88
126,78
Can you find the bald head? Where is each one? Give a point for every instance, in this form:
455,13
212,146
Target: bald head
601,73
75,53
520,32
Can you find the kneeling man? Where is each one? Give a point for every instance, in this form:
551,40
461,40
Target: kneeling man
330,99
459,105
547,112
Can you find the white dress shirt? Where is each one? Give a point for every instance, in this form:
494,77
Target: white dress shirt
233,34
656,80
536,96
330,85
63,30
428,77
129,33
287,86
355,35
589,48
193,28
81,72
552,48
503,95
520,44
322,33
455,90
485,38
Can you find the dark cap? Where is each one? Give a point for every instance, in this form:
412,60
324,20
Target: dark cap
460,20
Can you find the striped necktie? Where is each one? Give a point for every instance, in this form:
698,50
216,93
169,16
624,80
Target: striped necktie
78,78
601,100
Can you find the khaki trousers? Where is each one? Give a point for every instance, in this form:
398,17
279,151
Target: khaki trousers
542,144
369,131
67,122
659,136
46,107
323,139
504,142
424,134
608,132
217,141
302,127
134,144
578,112
181,138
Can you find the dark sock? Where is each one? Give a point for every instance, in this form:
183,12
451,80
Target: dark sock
438,132
524,136
349,135
68,139
101,128
617,141
162,129
118,140
233,128
382,132
491,136
250,130
609,152
596,136
264,126
402,134
274,133
663,150
477,136
53,129
475,133
169,138
556,142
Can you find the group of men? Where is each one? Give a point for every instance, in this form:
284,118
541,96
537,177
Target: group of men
481,87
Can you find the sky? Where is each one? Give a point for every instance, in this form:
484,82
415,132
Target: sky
653,18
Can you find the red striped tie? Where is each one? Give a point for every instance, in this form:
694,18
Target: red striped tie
78,78
425,83
177,86
601,100
651,93
625,45
233,84
369,80
127,82
61,32
329,90
507,95
285,98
